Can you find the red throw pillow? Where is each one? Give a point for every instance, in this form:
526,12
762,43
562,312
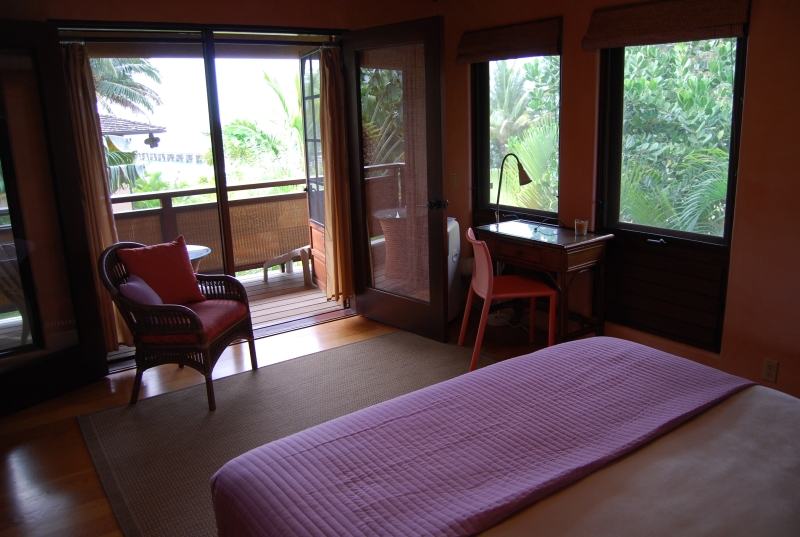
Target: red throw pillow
166,269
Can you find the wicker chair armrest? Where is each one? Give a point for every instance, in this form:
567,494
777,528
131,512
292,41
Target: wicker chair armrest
163,319
219,286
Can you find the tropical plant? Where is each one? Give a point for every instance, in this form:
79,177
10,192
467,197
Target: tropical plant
293,118
521,92
150,183
643,200
508,100
121,163
537,150
382,116
676,134
115,85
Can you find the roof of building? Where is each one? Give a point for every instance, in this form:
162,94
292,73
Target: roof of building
121,127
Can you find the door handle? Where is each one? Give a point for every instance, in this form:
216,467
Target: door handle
438,204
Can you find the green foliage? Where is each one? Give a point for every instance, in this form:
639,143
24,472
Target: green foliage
524,110
149,183
293,117
678,101
537,150
245,143
382,116
121,163
114,84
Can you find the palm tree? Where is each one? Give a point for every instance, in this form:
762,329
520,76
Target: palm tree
293,118
114,84
508,102
382,116
537,150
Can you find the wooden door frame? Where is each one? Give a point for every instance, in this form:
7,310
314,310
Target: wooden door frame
43,377
398,311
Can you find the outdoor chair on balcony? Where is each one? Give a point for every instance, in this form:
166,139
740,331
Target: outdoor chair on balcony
11,286
190,332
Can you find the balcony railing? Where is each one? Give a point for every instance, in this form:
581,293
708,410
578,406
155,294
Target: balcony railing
263,227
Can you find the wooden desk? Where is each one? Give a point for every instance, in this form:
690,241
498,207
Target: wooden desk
558,253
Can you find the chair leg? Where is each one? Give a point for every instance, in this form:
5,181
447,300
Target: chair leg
551,328
26,330
467,311
252,344
479,338
532,320
137,383
212,403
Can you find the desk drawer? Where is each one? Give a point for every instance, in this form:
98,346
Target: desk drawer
584,257
520,253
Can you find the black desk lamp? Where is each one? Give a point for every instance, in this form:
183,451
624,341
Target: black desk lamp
523,180
500,319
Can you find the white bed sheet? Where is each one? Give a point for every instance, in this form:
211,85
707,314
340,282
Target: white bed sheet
734,470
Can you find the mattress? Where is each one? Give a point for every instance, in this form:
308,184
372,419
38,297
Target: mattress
732,471
459,457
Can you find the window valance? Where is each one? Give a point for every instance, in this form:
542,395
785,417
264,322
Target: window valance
535,38
666,21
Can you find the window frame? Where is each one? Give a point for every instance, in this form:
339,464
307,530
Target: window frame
316,180
483,206
609,166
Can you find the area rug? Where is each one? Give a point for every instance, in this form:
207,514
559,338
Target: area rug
155,459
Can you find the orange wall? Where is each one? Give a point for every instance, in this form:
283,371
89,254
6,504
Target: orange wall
761,316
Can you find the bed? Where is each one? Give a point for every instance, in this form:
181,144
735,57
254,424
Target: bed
593,437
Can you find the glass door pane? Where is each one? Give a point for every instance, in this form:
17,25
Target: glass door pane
15,312
153,108
314,171
262,130
35,299
392,89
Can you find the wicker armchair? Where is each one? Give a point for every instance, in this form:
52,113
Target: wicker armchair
174,334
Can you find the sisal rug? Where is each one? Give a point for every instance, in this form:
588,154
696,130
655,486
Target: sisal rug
155,459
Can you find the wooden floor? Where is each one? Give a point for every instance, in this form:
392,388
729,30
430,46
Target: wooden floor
283,298
48,485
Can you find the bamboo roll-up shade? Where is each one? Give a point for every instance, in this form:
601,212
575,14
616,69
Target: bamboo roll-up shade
536,38
666,21
189,50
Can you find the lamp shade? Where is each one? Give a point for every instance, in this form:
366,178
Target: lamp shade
523,175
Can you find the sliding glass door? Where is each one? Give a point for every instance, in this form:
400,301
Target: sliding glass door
204,137
154,115
258,96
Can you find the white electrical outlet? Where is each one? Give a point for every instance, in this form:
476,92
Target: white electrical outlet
770,371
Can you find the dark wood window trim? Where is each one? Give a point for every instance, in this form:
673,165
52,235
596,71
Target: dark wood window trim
610,154
483,211
534,38
667,283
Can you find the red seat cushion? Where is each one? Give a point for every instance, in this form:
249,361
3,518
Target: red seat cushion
166,269
216,316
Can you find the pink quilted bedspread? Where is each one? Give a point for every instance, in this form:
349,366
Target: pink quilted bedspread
458,457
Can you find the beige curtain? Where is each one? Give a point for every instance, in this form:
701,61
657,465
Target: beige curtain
100,227
338,252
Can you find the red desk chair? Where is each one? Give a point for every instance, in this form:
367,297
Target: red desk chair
490,287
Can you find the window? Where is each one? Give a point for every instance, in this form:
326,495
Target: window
517,112
310,95
516,96
671,143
